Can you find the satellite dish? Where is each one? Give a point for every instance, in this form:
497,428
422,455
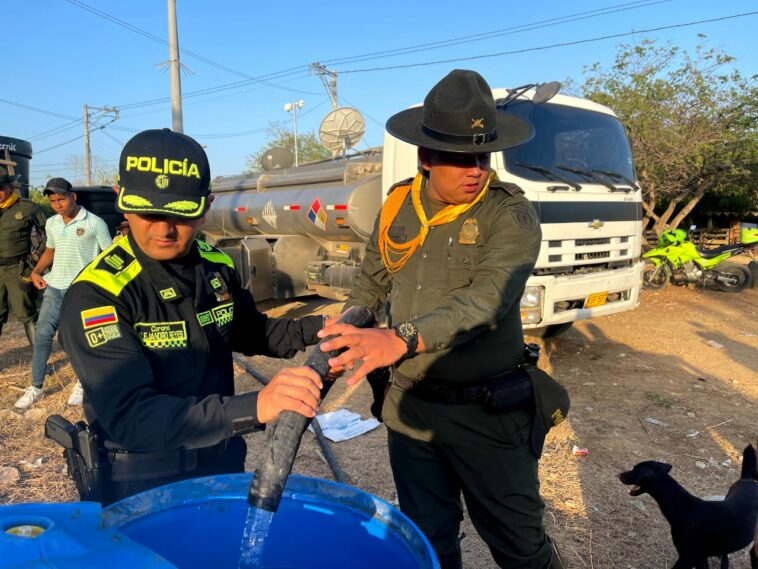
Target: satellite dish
341,129
276,159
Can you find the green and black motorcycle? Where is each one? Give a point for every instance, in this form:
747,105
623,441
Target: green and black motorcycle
679,261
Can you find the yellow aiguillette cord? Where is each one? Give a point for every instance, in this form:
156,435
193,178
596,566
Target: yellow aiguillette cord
13,198
395,255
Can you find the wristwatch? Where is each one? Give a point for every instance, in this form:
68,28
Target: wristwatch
408,333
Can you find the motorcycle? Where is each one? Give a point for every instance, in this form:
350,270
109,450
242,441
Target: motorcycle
679,261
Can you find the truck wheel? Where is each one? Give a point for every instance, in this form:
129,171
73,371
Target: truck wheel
655,277
548,331
731,277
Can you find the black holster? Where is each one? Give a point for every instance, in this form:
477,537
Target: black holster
85,461
509,393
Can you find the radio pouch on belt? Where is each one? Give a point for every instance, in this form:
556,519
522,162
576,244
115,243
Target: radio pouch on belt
80,449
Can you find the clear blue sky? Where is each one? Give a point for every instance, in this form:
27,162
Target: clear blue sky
59,56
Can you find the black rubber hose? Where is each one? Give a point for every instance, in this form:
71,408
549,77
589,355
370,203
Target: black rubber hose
284,434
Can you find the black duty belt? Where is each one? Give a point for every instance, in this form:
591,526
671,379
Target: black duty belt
5,261
135,466
451,394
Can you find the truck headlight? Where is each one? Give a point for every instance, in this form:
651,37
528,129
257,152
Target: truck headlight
532,297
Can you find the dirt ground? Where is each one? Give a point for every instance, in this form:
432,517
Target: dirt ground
674,381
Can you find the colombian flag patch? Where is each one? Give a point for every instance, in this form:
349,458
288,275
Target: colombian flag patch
99,316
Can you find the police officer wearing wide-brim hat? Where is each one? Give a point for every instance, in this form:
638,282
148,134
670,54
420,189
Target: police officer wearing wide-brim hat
150,327
449,256
18,218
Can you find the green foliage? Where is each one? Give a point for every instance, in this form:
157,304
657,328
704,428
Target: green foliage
658,399
36,195
692,120
277,134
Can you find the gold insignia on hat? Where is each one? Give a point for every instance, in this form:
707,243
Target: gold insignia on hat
19,215
469,232
162,181
477,123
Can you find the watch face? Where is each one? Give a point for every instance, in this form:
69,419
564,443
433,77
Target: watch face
408,333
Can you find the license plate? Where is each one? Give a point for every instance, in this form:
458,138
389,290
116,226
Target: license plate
596,299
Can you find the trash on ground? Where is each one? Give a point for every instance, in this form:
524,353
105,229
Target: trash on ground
656,422
341,425
576,451
714,344
692,433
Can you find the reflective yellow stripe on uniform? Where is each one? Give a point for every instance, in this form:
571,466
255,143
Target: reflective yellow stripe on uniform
214,255
113,269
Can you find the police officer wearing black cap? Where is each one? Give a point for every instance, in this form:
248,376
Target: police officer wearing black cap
150,327
450,255
18,217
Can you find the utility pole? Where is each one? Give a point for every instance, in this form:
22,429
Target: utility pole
294,106
87,157
85,118
329,80
177,121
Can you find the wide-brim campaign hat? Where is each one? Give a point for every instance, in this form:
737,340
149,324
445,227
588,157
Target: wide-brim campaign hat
7,179
459,115
162,172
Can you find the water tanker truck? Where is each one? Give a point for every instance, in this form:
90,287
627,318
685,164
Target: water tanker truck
302,231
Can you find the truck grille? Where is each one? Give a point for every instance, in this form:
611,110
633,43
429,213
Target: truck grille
589,242
590,256
585,255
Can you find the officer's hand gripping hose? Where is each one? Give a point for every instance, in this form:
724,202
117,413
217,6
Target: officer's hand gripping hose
284,434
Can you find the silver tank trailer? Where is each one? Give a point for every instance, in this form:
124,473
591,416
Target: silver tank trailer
330,201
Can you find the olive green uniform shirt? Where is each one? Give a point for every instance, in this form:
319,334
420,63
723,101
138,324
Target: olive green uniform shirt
462,287
16,223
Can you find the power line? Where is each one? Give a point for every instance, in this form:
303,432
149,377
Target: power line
59,145
501,32
57,130
551,46
35,109
160,40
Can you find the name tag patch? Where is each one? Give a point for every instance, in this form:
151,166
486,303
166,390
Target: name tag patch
162,335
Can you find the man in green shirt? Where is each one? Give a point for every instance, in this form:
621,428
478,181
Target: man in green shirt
449,257
18,217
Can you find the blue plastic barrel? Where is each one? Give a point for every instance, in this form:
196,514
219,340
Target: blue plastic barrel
319,524
67,536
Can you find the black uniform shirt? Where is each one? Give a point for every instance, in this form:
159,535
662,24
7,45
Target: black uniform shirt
152,345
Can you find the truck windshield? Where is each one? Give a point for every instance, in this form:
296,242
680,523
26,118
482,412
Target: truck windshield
576,143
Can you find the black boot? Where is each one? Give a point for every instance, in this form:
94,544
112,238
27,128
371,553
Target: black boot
31,332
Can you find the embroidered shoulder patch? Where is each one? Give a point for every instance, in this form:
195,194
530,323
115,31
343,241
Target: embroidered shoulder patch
524,216
116,261
102,335
168,293
99,316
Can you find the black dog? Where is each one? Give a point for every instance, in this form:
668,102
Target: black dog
699,528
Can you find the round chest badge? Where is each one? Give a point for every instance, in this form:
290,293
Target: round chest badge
162,181
19,215
79,231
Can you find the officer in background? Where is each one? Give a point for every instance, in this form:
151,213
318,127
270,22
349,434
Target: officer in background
150,327
18,217
450,254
